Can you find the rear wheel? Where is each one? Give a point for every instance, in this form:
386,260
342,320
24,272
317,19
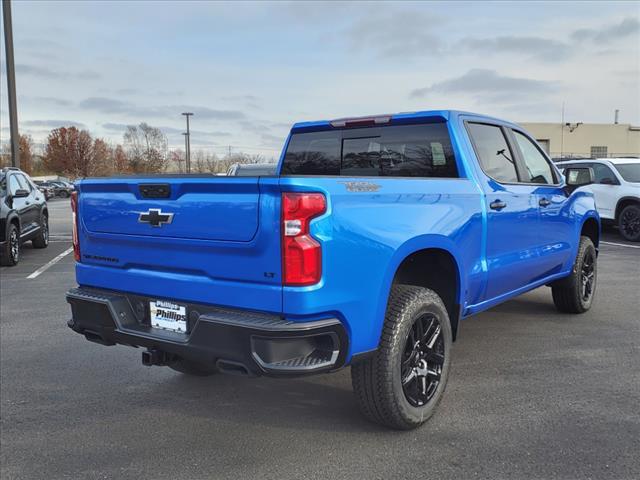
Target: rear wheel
11,251
401,385
629,223
191,368
42,240
574,294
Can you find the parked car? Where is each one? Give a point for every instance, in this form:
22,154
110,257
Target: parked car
58,189
617,192
374,239
62,189
252,169
23,215
46,188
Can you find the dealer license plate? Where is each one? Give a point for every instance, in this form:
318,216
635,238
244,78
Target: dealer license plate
168,316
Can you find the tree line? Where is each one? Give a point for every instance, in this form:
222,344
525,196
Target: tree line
74,153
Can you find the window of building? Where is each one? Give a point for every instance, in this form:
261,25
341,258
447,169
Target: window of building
598,152
544,144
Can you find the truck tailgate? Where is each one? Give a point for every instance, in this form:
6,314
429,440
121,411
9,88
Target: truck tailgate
203,208
192,238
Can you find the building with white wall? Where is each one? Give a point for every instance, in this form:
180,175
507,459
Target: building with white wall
587,139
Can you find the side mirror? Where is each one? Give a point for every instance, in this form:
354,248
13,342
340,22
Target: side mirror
21,193
578,177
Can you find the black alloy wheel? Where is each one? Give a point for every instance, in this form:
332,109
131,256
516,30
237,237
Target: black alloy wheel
629,223
587,275
401,384
575,292
422,360
14,246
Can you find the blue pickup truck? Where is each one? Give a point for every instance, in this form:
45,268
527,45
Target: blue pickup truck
374,238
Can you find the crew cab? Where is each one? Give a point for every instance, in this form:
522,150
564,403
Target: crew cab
375,237
616,189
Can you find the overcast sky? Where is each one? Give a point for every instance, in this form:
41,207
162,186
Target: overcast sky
249,70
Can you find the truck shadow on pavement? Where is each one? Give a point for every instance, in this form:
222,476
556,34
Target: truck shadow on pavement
539,304
324,402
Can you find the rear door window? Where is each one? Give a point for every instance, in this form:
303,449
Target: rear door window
393,151
492,149
603,174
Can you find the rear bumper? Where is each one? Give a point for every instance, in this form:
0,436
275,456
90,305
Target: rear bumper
235,340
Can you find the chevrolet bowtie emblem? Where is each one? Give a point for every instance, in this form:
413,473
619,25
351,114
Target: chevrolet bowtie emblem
155,217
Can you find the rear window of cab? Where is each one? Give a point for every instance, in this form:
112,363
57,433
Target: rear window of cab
389,151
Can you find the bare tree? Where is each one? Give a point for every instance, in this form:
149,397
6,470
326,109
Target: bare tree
257,158
205,162
146,148
177,159
120,160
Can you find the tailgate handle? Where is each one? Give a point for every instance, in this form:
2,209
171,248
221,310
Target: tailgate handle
155,190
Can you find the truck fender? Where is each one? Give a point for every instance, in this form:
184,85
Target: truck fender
414,245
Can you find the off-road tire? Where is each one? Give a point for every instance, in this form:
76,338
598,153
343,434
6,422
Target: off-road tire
377,381
191,368
42,240
10,254
568,292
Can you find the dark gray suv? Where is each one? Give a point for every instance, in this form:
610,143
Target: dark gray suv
23,215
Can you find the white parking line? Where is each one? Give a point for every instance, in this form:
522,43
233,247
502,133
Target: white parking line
621,244
50,263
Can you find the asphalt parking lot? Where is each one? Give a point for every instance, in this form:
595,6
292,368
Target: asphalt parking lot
532,394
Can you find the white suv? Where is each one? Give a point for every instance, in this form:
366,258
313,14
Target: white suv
616,188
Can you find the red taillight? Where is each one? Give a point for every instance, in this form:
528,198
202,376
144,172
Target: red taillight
301,253
74,215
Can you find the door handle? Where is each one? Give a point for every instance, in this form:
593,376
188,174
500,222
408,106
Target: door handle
27,203
544,202
497,205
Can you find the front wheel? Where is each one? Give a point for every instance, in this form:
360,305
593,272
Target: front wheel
574,294
11,251
401,385
629,223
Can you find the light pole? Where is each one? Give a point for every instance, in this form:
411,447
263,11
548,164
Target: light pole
186,136
11,83
187,142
